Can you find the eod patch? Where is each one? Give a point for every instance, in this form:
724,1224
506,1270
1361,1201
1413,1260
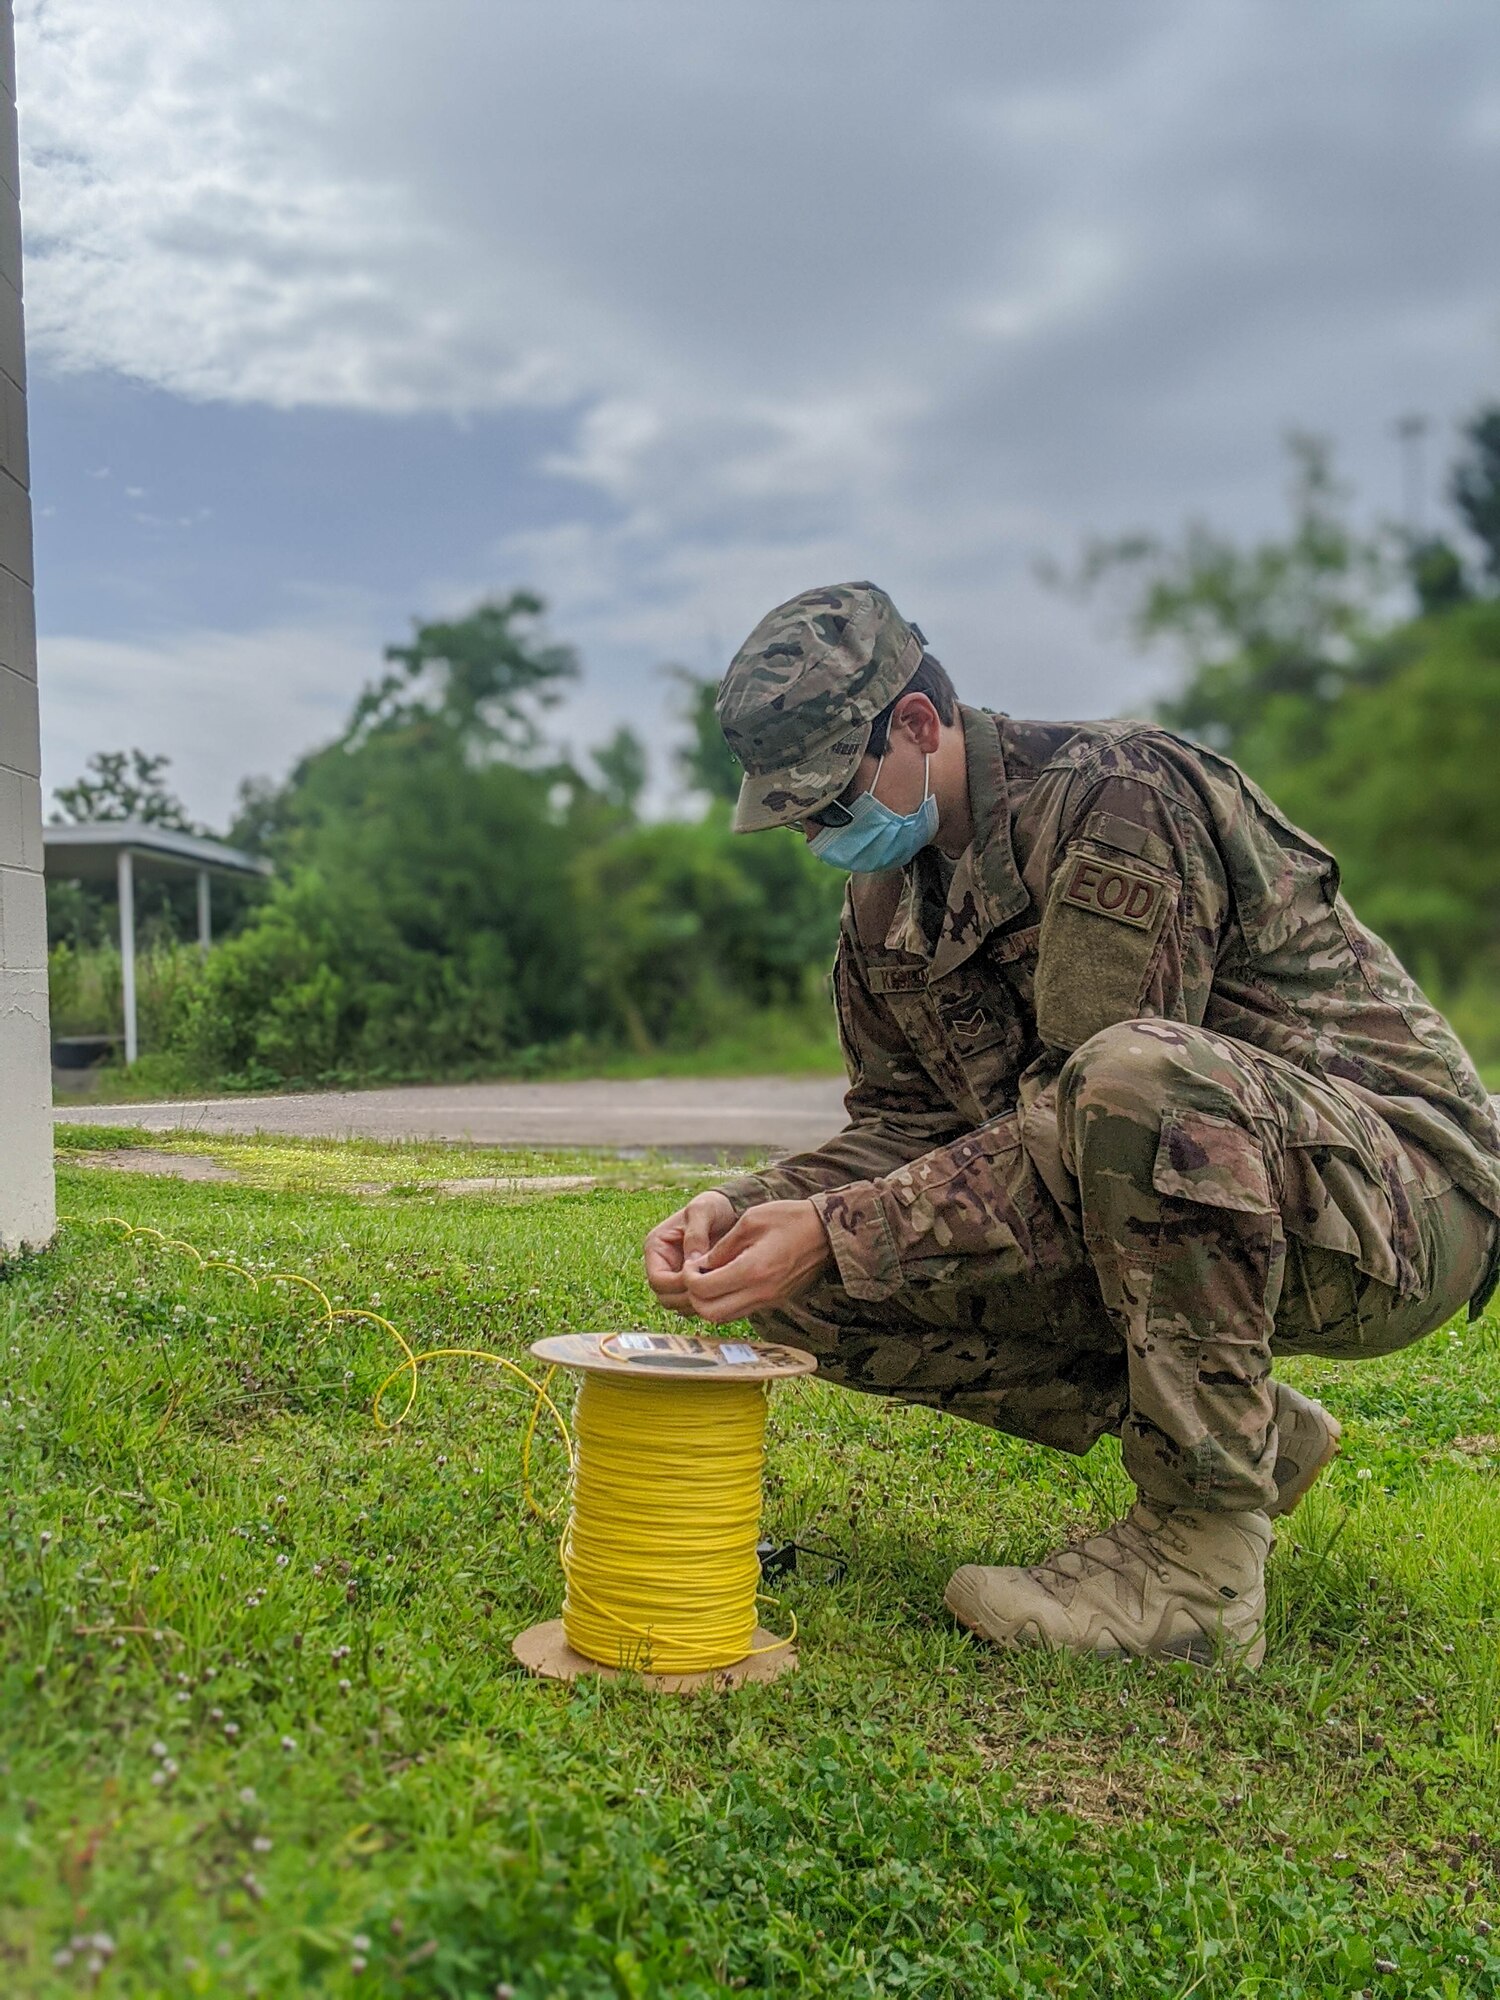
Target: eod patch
1110,890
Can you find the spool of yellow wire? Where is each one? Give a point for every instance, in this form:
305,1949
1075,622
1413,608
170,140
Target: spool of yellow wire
660,1551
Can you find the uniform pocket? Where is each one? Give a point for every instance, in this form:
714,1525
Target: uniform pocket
1318,1312
1213,1161
1101,933
1351,1186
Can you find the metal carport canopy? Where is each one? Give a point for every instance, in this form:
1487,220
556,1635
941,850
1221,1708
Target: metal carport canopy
113,849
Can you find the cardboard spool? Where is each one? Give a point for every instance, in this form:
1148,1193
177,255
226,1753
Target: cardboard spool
544,1649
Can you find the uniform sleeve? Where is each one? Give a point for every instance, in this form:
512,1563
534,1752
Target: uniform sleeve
895,1111
1135,906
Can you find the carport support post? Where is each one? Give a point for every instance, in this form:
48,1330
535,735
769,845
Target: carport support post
125,874
26,1197
205,913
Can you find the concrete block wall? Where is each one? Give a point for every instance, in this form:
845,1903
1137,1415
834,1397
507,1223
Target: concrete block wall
26,1199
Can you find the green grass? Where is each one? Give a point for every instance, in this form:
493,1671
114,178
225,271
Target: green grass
395,1167
262,1730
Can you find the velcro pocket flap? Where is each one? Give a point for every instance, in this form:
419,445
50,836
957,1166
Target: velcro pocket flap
1100,937
1212,1161
1350,1187
1109,830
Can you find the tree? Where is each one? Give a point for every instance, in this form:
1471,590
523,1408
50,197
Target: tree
1404,793
451,894
1437,575
1284,619
1474,485
122,784
422,923
623,771
705,761
263,812
684,926
483,677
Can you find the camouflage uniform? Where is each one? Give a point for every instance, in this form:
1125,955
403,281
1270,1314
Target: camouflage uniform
1135,1105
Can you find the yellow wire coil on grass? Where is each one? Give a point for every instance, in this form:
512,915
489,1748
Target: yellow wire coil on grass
331,1314
660,1552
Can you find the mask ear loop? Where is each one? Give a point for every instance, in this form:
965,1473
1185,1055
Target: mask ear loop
926,780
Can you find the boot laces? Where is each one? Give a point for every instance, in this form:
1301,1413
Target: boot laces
1124,1549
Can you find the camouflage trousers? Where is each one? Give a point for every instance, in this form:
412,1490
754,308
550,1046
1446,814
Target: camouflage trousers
1185,1209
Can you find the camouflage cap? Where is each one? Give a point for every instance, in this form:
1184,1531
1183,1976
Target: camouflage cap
799,697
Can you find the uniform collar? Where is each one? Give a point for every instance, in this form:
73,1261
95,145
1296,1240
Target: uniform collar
986,889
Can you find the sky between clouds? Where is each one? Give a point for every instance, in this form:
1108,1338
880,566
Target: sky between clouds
348,310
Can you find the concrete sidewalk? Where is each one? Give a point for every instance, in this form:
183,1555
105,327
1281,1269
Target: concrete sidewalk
688,1118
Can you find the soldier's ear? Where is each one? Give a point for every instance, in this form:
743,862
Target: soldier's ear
916,717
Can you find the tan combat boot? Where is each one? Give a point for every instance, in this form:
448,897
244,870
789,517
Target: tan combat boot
1307,1440
1166,1581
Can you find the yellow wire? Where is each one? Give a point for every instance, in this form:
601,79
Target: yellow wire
330,1313
660,1550
296,1278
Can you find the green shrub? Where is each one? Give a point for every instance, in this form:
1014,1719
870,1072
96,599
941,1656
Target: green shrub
85,995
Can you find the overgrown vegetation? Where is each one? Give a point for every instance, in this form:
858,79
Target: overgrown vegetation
262,1733
457,895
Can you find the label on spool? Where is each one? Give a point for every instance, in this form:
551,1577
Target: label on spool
642,1351
677,1350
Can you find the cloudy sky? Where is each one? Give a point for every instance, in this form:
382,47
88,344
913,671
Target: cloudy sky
346,310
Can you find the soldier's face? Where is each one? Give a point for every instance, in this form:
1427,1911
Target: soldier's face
902,780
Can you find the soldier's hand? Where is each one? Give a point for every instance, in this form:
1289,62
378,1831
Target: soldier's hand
771,1255
682,1241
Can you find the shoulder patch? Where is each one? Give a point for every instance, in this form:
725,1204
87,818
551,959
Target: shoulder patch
1110,890
1112,831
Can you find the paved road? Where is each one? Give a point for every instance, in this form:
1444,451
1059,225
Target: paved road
689,1119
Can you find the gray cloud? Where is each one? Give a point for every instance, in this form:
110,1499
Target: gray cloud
812,290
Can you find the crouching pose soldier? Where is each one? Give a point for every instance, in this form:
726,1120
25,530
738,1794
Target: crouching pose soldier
1136,1106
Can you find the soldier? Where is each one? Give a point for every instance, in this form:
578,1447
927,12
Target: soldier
1136,1105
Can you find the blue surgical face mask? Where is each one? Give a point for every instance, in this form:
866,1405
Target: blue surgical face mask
876,837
